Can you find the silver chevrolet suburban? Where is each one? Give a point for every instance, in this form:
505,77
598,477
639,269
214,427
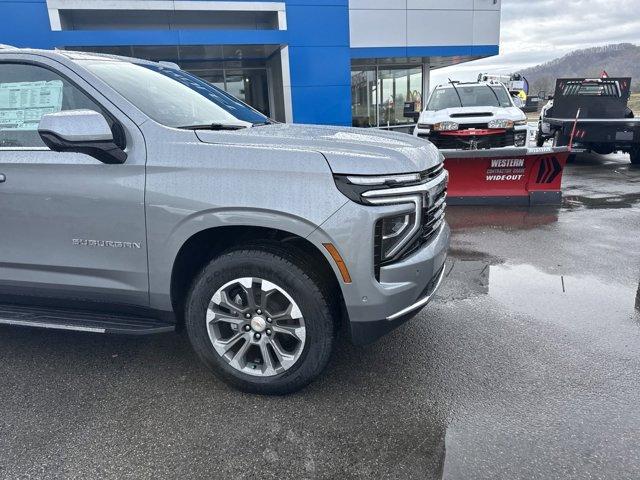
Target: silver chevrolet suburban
136,198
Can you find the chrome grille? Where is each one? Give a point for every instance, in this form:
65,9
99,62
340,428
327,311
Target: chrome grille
433,217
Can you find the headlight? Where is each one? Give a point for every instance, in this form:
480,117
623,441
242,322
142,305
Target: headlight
520,123
353,186
392,231
393,227
445,126
412,192
501,123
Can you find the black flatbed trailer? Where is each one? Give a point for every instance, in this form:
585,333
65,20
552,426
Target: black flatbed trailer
592,114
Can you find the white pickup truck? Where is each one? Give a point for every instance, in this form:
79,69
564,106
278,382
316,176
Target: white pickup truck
472,116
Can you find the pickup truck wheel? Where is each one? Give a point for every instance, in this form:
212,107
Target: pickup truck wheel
540,137
259,321
560,140
635,156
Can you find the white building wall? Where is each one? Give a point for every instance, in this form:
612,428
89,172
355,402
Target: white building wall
424,23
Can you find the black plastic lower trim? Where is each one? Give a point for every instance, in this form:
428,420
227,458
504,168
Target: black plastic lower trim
82,321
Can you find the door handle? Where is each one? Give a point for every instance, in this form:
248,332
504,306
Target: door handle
3,178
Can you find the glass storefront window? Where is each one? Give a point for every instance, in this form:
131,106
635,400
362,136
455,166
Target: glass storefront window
379,94
364,101
397,86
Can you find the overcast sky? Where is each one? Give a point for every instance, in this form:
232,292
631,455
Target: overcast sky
535,31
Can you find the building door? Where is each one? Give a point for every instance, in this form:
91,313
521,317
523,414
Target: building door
251,86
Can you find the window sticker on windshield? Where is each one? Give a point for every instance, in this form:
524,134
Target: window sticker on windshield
22,104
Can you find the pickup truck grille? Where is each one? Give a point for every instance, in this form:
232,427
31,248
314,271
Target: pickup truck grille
468,142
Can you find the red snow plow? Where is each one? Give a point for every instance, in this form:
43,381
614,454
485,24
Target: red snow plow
511,176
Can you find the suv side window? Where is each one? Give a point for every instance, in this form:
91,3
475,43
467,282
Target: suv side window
27,92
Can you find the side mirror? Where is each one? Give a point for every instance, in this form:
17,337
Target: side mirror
80,131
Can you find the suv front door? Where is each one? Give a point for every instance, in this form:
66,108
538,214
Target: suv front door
71,227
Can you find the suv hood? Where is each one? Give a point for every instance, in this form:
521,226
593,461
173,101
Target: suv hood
347,150
472,114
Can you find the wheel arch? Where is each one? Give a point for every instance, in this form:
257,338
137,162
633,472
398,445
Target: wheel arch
206,244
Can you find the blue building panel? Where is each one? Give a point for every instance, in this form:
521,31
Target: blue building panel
25,24
318,66
321,105
318,26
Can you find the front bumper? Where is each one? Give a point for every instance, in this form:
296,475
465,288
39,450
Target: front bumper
376,307
476,139
395,306
424,300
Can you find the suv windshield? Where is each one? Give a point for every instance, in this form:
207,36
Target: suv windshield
174,97
471,96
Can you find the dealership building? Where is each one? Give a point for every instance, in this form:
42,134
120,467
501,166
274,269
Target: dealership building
344,62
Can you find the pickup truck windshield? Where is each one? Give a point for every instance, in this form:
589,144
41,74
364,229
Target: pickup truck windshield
471,96
173,97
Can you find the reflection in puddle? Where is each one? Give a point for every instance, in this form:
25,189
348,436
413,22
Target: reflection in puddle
568,300
518,218
563,299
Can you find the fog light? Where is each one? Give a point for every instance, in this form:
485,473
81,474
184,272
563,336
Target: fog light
520,139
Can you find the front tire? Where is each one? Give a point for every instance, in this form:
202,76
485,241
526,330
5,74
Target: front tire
261,320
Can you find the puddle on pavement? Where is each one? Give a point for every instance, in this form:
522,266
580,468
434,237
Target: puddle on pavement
515,218
564,298
571,300
627,200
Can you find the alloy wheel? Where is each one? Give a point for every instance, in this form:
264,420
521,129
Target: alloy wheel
256,326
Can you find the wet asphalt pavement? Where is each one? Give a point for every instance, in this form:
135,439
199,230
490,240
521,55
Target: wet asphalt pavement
527,366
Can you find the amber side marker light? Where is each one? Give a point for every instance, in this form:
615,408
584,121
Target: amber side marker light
344,271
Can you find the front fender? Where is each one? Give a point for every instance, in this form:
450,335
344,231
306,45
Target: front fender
160,274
